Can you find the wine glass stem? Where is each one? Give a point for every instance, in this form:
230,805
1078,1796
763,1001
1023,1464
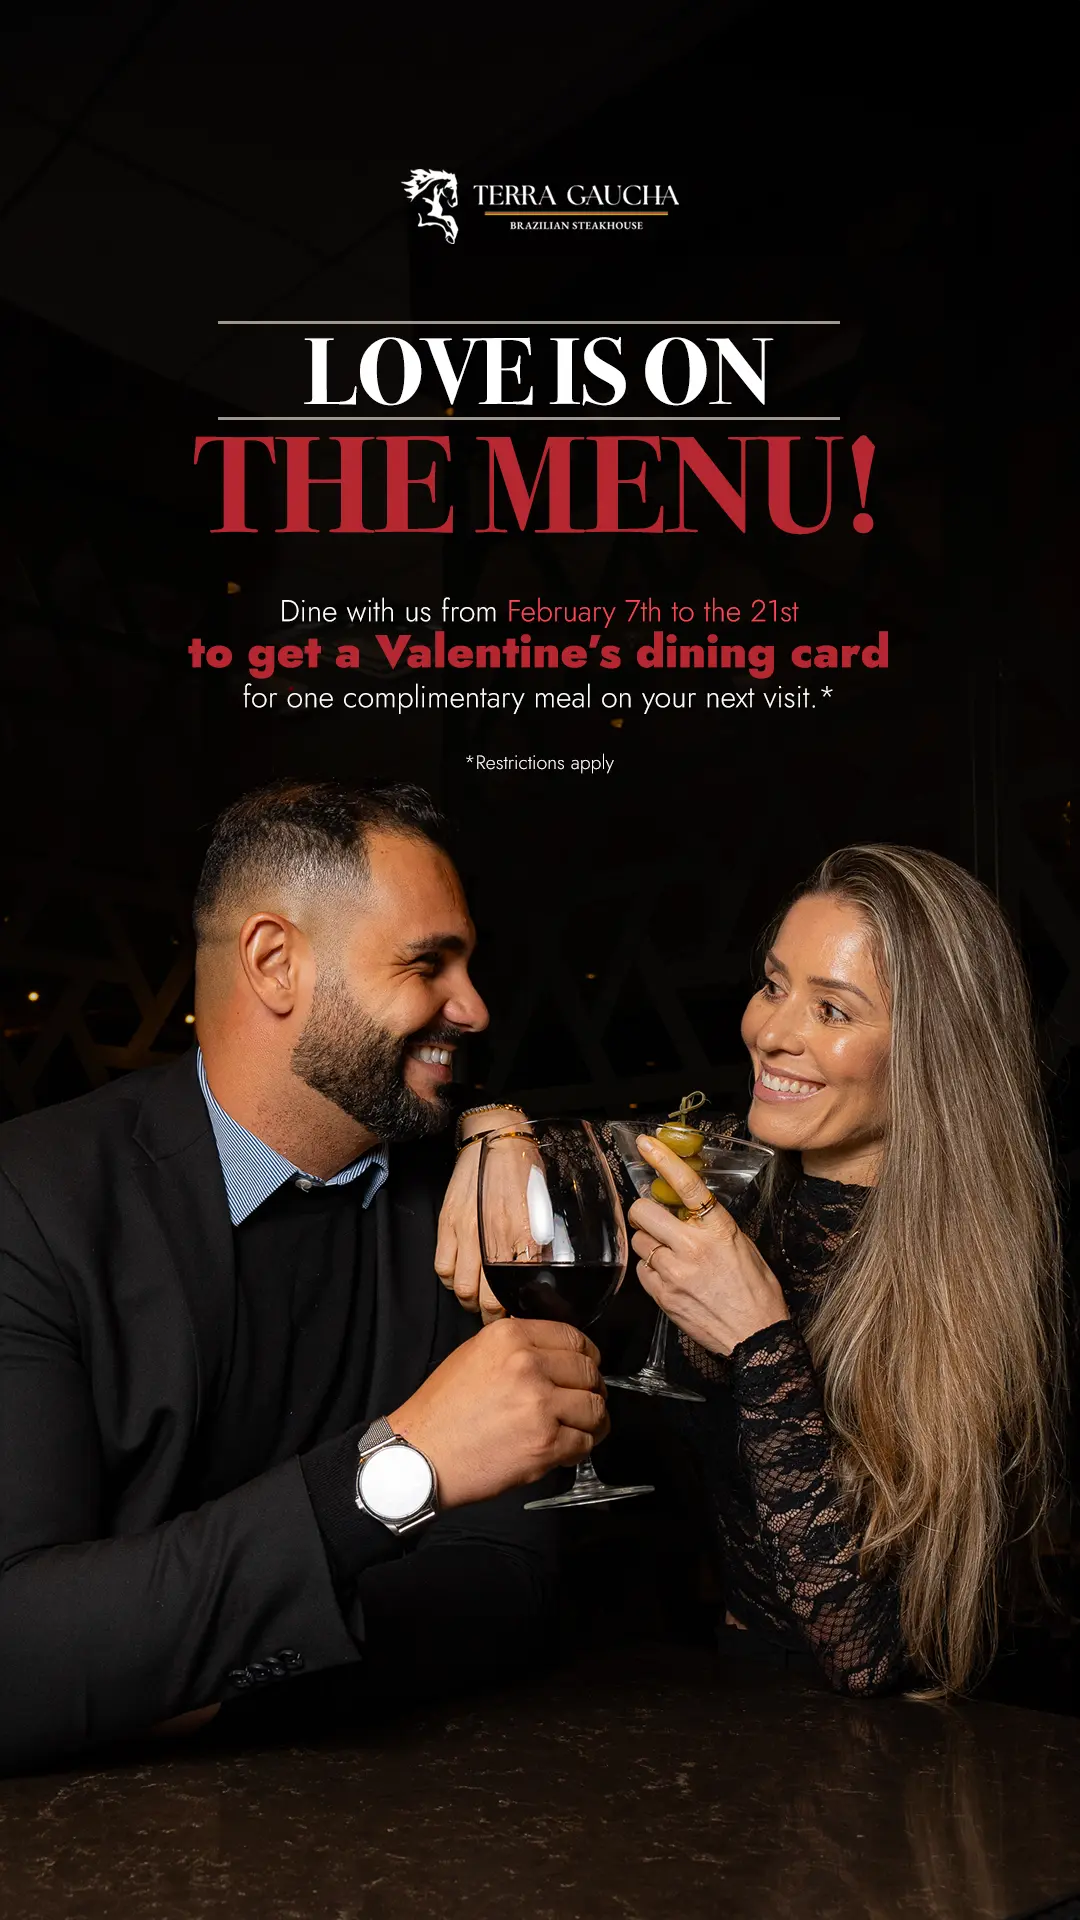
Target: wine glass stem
586,1474
658,1350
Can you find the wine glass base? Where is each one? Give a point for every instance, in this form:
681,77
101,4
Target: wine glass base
592,1494
656,1384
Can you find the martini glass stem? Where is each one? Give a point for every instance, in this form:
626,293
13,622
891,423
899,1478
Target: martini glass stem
658,1350
588,1490
652,1377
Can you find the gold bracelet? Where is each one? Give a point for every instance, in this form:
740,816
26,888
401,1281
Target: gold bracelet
497,1133
492,1106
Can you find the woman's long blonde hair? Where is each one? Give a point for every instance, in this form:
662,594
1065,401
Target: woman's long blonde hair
939,1337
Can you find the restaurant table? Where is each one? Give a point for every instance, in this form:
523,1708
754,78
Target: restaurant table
663,1783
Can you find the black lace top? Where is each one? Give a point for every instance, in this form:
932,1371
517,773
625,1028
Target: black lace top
790,1559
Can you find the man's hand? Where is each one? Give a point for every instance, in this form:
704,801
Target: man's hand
519,1398
457,1252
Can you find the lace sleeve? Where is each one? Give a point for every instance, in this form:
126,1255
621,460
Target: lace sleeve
851,1622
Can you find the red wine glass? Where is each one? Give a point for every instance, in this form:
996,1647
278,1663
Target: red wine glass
553,1243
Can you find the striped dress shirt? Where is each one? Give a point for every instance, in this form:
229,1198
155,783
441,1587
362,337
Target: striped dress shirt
253,1171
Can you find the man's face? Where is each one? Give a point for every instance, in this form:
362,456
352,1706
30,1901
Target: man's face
388,1011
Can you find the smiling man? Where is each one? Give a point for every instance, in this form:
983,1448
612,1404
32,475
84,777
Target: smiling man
245,1437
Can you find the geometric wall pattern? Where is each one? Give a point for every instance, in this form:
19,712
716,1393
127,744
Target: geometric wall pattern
95,945
96,977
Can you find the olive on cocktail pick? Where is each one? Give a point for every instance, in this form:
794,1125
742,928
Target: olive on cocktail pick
661,1190
682,1139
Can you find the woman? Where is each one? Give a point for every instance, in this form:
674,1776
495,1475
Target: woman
880,1342
887,1354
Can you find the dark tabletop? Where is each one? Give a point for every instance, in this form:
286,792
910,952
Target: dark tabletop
660,1783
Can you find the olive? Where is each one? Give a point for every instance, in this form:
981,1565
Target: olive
682,1213
685,1141
661,1191
696,1163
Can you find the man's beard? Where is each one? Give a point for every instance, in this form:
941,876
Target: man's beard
360,1066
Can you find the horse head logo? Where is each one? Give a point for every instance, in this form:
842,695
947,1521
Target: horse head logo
438,187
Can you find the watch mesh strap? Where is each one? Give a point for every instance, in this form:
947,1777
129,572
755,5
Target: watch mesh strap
379,1434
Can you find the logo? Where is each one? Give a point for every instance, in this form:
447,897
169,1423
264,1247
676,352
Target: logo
437,186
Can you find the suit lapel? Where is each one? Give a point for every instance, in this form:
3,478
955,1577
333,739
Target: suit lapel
407,1290
180,1177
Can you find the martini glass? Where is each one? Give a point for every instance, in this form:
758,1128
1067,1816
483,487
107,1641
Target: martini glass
553,1243
730,1167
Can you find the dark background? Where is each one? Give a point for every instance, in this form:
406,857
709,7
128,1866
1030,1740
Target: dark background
162,168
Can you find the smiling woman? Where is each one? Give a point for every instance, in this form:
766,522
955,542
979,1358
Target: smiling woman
818,1033
881,1341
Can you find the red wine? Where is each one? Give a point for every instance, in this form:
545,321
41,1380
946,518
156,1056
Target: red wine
574,1292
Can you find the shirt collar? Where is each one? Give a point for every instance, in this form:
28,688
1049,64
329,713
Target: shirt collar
253,1171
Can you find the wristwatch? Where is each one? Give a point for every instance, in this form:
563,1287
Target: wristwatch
395,1483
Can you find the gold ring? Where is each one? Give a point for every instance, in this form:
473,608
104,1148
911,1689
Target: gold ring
706,1207
648,1262
520,1253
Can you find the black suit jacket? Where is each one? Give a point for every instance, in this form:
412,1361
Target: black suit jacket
120,1603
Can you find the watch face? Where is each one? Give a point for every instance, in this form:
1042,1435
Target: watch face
395,1483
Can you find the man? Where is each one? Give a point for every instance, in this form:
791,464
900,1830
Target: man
243,1432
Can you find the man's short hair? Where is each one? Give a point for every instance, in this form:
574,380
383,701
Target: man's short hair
308,836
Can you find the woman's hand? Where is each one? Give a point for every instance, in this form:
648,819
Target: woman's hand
457,1252
706,1275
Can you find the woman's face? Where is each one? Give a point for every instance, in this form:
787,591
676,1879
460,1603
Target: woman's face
818,1035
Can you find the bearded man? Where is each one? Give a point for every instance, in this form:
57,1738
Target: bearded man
246,1440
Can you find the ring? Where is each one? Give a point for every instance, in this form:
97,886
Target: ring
648,1262
706,1207
521,1252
